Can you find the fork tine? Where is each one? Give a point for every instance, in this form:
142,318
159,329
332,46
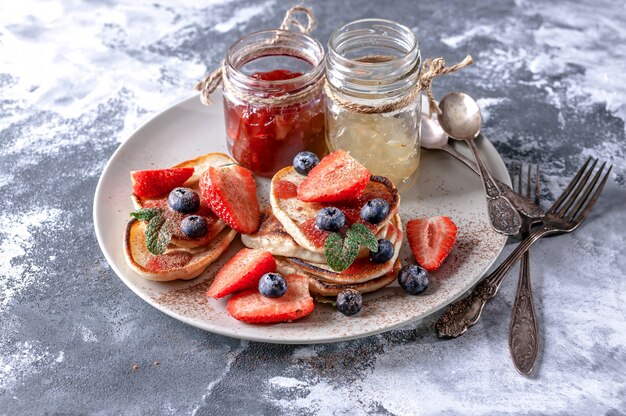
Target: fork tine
594,198
569,188
537,185
576,193
583,199
520,173
528,183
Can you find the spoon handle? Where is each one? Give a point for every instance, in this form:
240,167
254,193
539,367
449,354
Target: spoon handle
460,157
503,216
491,188
521,204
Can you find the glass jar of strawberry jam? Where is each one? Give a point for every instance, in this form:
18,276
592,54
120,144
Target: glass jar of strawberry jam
272,82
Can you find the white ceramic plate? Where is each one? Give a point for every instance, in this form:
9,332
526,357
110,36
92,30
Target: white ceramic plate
189,129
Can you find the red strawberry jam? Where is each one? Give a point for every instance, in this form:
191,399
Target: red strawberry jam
265,139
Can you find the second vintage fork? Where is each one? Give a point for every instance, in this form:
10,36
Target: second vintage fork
566,214
523,329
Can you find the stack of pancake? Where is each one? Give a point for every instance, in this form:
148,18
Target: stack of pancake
288,231
185,258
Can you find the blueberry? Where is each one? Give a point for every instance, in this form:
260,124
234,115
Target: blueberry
194,226
413,279
304,162
349,302
384,253
330,219
272,285
375,211
183,200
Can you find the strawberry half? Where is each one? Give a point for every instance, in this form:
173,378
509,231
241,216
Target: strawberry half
230,191
338,177
242,272
431,240
252,307
157,182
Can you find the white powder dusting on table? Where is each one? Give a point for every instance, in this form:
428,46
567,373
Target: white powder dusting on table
17,237
286,382
23,362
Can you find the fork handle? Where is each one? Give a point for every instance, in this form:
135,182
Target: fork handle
523,331
465,313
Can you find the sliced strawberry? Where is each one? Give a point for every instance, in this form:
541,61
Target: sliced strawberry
157,182
431,240
252,307
230,191
338,177
242,272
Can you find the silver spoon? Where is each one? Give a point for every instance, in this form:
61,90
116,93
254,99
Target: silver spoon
434,138
460,118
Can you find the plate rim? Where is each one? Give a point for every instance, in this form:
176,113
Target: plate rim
219,330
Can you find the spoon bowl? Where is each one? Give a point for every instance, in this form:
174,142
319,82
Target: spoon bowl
432,135
460,116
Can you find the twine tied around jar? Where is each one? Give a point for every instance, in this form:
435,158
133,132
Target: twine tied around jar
431,69
211,81
434,68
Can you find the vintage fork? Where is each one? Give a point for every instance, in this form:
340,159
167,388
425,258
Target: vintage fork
523,330
565,215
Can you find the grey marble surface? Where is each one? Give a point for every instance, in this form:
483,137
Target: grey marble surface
76,78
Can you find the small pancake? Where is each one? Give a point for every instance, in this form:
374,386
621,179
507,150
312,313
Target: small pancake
362,270
201,164
177,263
271,236
179,239
215,225
298,217
322,288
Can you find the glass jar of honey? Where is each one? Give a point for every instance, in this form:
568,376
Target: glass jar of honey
272,83
373,104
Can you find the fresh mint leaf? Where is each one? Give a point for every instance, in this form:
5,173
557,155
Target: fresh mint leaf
340,253
145,214
158,235
360,234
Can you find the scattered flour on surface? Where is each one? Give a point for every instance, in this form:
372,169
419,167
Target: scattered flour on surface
87,334
242,15
17,237
305,352
565,44
232,356
286,382
73,83
24,360
485,103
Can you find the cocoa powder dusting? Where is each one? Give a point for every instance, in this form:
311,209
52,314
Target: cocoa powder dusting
190,301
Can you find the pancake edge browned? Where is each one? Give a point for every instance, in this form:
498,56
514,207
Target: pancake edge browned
331,276
285,245
202,256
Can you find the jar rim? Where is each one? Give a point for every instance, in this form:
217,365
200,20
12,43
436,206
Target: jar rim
251,47
346,28
394,58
